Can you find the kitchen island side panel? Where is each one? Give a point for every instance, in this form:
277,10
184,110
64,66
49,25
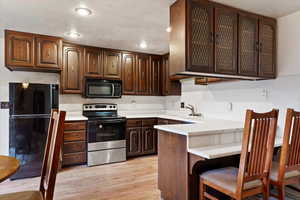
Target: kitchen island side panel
172,166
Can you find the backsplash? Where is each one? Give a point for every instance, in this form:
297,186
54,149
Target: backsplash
134,104
229,100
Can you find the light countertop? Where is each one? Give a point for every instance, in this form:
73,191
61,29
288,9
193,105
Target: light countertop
203,127
75,116
223,150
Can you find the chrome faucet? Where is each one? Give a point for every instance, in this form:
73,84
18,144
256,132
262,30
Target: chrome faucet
192,108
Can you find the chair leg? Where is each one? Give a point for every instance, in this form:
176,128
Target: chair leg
202,189
266,192
281,192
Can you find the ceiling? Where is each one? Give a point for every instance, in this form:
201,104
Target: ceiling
120,24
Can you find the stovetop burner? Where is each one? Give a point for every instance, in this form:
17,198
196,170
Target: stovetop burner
101,111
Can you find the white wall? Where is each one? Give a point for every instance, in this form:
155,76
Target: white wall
289,44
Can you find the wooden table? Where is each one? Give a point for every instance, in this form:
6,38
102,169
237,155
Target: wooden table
8,166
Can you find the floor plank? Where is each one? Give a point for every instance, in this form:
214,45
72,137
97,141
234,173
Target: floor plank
135,179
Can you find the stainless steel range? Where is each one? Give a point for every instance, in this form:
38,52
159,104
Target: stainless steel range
106,134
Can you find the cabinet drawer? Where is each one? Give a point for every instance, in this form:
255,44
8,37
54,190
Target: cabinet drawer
71,136
75,126
149,122
163,122
74,158
73,147
176,122
134,123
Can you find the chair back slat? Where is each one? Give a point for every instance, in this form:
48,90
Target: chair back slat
257,146
52,152
290,153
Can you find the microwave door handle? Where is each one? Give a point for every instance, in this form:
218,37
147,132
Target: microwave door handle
113,90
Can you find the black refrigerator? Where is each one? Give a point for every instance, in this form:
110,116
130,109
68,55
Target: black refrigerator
29,115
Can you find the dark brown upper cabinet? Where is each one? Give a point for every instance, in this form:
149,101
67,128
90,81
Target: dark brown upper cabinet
72,74
168,87
112,64
129,73
48,52
200,37
93,62
32,52
143,72
155,73
267,48
225,40
19,50
209,39
248,44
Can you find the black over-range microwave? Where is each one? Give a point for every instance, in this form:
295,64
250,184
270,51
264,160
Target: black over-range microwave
99,88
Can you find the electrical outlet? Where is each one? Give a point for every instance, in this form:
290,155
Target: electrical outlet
4,105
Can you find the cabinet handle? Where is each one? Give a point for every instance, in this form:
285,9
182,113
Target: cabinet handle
260,47
211,37
256,46
217,38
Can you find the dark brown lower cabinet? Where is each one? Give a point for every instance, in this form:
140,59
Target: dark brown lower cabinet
74,147
149,140
134,141
141,137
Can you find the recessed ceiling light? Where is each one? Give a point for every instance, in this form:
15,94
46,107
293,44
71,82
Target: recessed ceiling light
73,34
169,29
143,45
83,11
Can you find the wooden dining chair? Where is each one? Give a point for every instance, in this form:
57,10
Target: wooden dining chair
50,162
252,177
287,171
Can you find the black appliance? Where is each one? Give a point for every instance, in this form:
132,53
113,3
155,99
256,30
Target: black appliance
99,88
106,134
29,115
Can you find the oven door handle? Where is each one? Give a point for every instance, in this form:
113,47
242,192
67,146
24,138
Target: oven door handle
110,121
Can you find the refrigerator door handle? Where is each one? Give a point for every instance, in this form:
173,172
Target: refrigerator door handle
30,116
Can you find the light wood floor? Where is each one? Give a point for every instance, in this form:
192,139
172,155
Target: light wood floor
135,179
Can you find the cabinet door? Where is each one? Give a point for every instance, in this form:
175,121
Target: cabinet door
248,45
149,140
200,37
134,141
267,50
19,49
155,81
225,41
93,62
169,87
72,69
143,69
112,64
129,74
48,52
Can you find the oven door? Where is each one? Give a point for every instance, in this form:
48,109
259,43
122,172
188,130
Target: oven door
106,134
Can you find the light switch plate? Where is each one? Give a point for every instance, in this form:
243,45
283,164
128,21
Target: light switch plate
4,105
